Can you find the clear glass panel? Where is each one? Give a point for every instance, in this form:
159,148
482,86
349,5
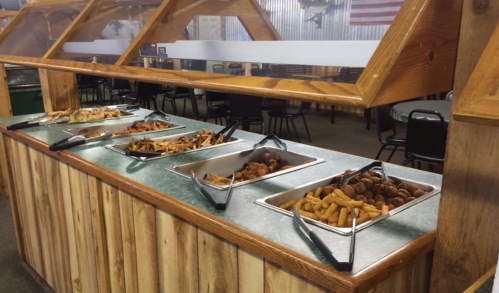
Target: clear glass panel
37,31
321,40
108,31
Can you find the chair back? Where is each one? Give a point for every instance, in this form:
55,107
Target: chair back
86,80
216,97
426,137
145,89
384,121
349,74
305,107
261,72
120,84
181,90
235,66
245,107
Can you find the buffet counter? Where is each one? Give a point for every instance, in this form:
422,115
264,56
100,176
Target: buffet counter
90,219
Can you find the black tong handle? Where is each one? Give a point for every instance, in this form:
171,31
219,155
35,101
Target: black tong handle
65,144
346,178
231,127
159,113
220,206
273,137
22,125
142,154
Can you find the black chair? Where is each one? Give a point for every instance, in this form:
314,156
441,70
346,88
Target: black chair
426,139
270,104
180,93
384,123
146,92
117,87
247,109
290,114
217,100
235,66
215,113
86,84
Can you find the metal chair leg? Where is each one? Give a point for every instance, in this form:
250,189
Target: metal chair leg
381,150
280,127
296,132
332,114
391,155
287,124
270,123
185,100
306,128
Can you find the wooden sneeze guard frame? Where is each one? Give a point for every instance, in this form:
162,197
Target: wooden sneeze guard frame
415,58
479,102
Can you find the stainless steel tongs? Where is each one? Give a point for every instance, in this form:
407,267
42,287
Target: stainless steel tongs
273,137
340,266
217,205
374,165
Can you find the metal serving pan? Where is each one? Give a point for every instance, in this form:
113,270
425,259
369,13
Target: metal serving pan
122,147
122,108
117,127
274,201
226,164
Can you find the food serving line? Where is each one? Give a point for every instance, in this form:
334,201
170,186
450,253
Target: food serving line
108,189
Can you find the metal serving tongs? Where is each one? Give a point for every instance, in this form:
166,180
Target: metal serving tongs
273,137
38,121
376,164
340,266
231,127
218,206
78,139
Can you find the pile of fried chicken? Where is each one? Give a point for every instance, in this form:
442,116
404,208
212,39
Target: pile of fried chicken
84,115
251,170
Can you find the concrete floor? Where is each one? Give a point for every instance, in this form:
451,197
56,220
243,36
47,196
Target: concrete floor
347,135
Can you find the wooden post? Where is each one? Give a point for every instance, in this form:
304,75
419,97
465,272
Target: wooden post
6,107
467,239
60,91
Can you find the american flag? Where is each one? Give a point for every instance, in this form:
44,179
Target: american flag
374,12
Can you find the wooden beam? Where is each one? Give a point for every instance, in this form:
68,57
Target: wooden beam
8,13
417,54
258,24
133,49
467,242
75,25
60,90
313,91
15,21
6,109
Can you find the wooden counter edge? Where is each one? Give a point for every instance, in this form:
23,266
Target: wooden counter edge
475,286
313,270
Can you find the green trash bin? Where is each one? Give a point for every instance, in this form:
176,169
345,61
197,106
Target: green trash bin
26,101
25,90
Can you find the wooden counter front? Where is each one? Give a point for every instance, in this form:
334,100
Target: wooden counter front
82,228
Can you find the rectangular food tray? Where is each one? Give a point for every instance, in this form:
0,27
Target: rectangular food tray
117,127
274,201
226,164
122,147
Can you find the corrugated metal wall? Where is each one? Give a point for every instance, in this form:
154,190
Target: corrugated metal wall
290,21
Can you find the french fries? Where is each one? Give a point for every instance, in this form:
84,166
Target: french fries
334,209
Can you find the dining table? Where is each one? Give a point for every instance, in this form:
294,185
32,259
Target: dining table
401,111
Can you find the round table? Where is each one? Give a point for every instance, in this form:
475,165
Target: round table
401,111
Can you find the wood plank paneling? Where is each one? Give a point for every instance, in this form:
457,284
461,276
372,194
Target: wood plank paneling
250,267
82,220
217,264
278,279
60,91
177,254
67,202
144,217
45,217
7,166
99,234
31,215
111,209
56,199
128,240
6,109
